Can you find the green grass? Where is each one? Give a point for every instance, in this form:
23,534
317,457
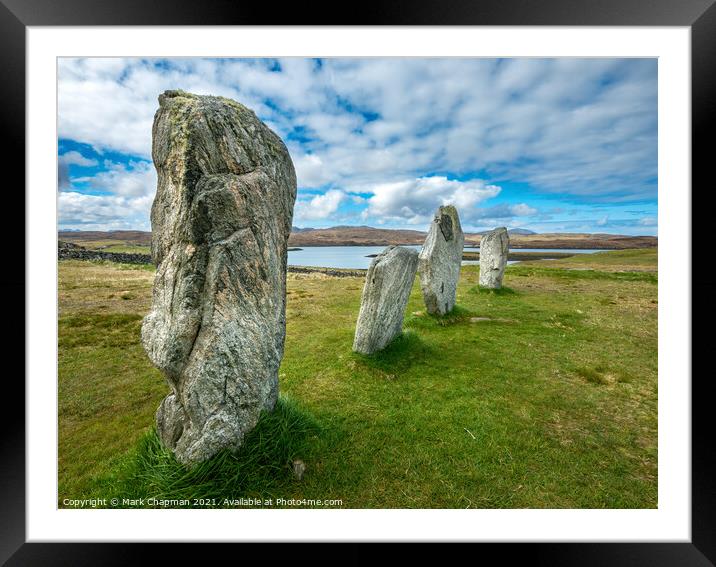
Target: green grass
263,465
541,395
645,259
127,249
585,274
113,246
504,290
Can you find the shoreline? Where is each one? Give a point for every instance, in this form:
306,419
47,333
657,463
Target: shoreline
145,259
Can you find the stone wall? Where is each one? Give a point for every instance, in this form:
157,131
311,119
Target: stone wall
66,253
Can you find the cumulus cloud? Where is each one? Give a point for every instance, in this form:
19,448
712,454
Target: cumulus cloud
523,210
503,211
310,170
76,158
320,206
103,212
574,126
63,167
583,129
135,179
414,201
121,197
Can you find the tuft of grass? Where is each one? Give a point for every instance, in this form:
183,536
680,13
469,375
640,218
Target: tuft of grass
593,375
262,465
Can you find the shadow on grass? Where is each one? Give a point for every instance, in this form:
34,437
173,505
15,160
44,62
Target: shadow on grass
425,320
403,352
262,464
504,290
601,375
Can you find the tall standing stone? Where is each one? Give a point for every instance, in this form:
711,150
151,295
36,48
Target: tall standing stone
494,247
440,261
221,219
385,296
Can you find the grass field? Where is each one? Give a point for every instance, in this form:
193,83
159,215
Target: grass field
124,247
543,395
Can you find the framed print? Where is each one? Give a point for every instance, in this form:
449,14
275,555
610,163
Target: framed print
393,281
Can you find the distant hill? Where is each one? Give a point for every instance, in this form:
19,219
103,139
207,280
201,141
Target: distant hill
369,236
137,237
582,241
355,236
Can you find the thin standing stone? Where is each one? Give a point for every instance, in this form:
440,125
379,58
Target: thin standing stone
494,247
440,261
385,297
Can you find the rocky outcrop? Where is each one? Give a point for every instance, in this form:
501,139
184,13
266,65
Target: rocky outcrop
220,223
385,296
494,248
440,260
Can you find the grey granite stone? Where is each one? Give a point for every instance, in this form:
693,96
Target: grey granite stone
220,224
440,261
385,296
494,247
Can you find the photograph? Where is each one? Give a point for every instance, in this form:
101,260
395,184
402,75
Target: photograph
357,282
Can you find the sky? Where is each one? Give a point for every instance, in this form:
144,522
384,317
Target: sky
550,145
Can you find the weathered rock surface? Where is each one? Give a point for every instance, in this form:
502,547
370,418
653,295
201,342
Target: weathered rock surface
440,260
494,247
385,296
220,224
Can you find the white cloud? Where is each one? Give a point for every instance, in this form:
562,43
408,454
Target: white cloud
103,212
415,200
310,170
574,126
127,192
76,158
523,210
63,167
583,128
648,221
603,221
320,206
137,179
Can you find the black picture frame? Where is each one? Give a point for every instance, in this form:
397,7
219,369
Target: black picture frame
699,15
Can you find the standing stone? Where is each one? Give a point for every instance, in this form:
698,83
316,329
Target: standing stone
221,219
385,296
494,247
440,261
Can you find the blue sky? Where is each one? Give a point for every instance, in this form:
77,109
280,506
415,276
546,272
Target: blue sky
552,145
